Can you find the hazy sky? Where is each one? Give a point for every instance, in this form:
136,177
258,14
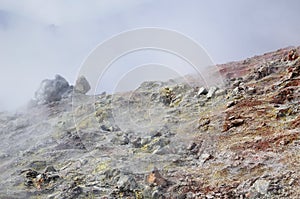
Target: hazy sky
41,38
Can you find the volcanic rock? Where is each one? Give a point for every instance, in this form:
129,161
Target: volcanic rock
82,85
52,90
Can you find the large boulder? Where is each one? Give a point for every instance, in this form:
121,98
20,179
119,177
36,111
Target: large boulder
52,90
82,85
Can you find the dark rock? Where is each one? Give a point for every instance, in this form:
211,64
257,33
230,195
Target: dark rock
50,169
71,140
110,128
237,122
127,183
191,146
194,148
71,191
233,122
136,142
236,83
52,90
155,134
30,173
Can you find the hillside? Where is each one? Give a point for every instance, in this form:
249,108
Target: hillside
163,140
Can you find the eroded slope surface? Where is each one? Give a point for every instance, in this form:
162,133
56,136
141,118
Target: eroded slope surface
163,140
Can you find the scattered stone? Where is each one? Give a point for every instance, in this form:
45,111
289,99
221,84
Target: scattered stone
38,165
232,122
82,85
159,132
71,191
283,111
160,151
261,186
71,140
137,142
236,91
50,169
202,91
251,90
167,95
109,127
283,96
120,140
127,183
29,173
203,123
220,92
291,182
237,122
205,157
236,83
231,103
263,71
176,100
39,180
157,194
211,92
192,146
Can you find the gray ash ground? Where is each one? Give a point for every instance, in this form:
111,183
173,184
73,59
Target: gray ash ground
163,140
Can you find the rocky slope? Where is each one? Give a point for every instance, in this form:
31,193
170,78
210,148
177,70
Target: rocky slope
163,140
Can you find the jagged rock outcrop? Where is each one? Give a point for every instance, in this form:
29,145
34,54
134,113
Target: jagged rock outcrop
52,90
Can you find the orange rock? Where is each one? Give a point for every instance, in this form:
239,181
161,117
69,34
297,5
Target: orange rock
156,179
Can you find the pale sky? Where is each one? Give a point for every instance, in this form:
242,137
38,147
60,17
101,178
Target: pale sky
41,38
